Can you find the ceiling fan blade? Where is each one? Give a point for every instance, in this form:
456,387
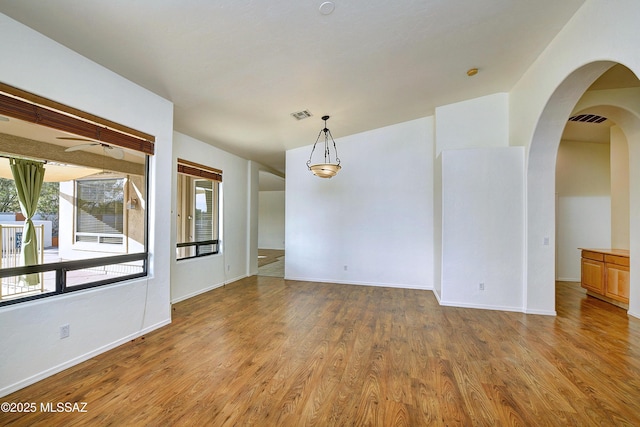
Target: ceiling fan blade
81,147
115,152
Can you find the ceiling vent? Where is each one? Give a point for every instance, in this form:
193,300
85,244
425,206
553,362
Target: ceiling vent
301,114
587,118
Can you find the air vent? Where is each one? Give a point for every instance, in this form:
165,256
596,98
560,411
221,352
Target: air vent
301,115
587,118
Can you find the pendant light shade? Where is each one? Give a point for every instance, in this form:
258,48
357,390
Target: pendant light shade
325,167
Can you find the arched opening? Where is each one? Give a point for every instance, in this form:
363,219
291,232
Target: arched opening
576,94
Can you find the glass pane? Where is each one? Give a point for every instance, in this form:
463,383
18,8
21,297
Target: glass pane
204,210
100,206
187,252
207,249
14,287
92,205
197,215
103,272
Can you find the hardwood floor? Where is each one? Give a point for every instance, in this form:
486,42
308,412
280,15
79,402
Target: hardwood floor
268,352
268,256
271,262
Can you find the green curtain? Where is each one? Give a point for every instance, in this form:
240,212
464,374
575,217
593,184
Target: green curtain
28,176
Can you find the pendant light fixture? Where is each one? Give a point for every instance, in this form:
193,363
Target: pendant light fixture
328,168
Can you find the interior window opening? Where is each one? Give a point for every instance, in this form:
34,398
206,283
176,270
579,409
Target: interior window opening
198,210
73,211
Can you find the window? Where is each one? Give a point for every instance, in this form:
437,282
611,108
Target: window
198,210
100,211
75,217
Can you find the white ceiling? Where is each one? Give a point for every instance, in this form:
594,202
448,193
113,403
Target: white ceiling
236,69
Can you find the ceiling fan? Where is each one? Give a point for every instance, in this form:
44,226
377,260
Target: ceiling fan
115,152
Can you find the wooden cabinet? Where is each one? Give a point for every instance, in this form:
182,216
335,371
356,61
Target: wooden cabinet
605,274
593,275
617,282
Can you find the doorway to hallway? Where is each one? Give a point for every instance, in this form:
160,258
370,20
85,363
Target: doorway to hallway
271,262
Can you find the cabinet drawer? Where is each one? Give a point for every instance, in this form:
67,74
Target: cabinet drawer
618,260
596,256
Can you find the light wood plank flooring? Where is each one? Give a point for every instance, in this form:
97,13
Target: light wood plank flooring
269,256
267,352
271,262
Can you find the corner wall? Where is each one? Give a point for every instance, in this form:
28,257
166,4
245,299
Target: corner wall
474,123
271,219
620,233
481,206
483,228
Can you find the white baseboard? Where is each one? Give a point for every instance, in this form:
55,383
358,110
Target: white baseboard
481,306
196,293
203,290
542,312
347,282
76,360
567,279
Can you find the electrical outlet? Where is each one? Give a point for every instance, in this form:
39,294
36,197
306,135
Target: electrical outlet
345,268
64,331
481,286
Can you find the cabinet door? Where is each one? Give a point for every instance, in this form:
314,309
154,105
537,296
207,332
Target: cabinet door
593,275
617,278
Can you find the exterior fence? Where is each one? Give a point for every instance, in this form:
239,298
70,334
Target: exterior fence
10,246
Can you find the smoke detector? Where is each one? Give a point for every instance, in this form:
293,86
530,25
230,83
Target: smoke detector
327,7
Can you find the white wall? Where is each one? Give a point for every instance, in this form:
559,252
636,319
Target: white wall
253,176
473,123
583,169
271,219
191,277
620,233
373,222
483,227
104,317
479,201
583,222
583,186
437,226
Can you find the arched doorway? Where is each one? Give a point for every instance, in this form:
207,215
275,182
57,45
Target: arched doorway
541,254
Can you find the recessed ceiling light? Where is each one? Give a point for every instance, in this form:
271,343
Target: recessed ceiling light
472,72
327,7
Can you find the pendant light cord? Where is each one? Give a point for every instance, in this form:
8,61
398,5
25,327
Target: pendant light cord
327,135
